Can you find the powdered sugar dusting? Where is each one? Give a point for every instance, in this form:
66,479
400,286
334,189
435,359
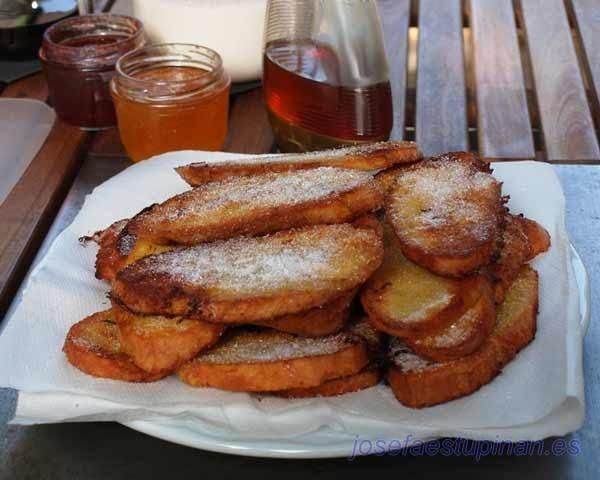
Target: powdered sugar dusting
445,194
316,256
238,195
270,346
456,333
405,359
318,157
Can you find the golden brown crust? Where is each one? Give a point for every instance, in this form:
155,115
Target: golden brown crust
418,383
362,380
161,344
404,299
92,345
462,337
267,363
515,251
258,205
245,280
537,236
447,213
376,156
316,322
453,380
109,259
387,178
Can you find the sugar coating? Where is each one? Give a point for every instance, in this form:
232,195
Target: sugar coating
98,334
442,194
365,329
456,333
271,346
237,195
126,243
314,258
318,157
405,359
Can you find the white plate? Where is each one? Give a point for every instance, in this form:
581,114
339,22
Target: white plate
325,443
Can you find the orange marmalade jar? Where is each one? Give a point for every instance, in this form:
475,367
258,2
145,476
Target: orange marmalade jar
171,97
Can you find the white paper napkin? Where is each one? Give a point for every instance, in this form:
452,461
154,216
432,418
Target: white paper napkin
539,394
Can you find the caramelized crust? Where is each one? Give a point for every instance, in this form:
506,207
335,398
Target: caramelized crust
244,280
537,236
161,344
419,383
515,251
264,361
447,213
404,299
258,205
376,156
92,345
460,338
369,377
522,240
109,260
316,322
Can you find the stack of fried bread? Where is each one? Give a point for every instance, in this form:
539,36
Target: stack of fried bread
247,281
453,291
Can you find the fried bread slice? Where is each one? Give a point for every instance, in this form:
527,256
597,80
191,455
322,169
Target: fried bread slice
244,280
419,383
109,259
266,360
514,252
376,156
537,236
144,248
447,213
374,338
316,322
386,178
258,205
93,346
161,344
404,299
366,378
522,240
460,338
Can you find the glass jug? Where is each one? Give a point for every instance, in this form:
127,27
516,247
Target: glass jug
325,74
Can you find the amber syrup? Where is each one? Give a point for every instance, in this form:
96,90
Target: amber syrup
309,106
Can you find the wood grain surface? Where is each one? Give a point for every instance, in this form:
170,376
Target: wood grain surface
564,111
441,118
249,128
503,125
587,18
394,16
29,209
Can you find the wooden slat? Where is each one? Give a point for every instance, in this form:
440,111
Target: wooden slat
249,128
29,209
504,128
564,111
587,16
33,86
394,16
107,143
441,118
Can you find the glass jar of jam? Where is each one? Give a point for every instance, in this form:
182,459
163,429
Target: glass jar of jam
79,56
171,97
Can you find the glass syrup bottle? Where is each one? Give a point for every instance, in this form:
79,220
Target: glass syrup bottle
325,75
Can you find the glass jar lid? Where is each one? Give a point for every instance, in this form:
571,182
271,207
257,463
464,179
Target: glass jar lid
92,40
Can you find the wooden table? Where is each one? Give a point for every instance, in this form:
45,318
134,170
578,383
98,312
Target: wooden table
509,80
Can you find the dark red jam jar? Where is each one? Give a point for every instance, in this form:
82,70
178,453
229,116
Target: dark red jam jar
79,57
